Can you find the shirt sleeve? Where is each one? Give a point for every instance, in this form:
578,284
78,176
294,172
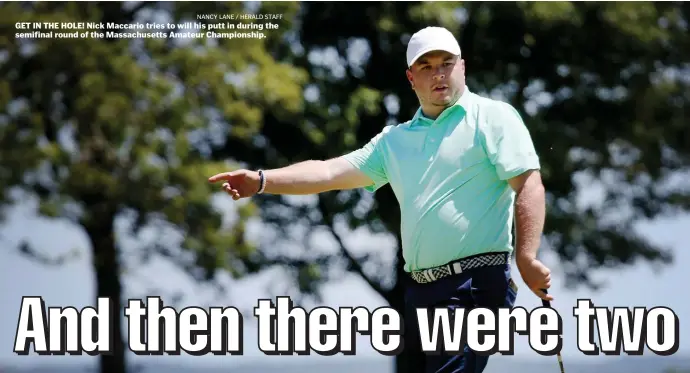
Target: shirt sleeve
508,142
370,160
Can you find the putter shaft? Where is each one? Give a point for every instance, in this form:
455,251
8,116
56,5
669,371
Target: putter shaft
546,303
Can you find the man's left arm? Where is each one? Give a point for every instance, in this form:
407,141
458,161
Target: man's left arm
511,150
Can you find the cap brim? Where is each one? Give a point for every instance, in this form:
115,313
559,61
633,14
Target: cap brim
432,48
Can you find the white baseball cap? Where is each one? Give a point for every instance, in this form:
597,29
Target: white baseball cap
429,39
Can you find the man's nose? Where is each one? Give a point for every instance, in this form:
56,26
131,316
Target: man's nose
439,74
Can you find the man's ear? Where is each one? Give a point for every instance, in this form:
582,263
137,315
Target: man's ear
410,78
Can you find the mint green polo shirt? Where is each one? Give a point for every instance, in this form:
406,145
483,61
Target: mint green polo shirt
450,178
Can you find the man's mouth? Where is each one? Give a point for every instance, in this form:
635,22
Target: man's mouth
440,88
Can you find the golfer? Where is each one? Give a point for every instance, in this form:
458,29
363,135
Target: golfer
463,168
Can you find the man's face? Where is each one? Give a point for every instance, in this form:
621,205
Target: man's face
437,77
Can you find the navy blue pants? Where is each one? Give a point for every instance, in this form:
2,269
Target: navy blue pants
490,287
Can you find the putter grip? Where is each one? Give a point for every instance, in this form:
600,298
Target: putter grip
545,302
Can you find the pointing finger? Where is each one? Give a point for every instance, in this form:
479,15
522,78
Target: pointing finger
221,176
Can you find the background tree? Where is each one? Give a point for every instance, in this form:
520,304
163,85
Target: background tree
106,129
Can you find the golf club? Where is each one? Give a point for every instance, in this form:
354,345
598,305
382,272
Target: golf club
546,303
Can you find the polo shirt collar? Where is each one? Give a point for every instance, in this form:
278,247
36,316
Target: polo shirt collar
463,103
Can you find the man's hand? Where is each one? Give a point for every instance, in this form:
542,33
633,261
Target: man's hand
238,184
535,275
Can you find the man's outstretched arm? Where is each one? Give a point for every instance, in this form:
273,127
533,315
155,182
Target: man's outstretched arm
361,168
307,177
312,177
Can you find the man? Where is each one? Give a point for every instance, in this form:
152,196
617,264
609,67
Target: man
462,169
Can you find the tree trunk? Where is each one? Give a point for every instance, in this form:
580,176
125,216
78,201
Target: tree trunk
107,269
